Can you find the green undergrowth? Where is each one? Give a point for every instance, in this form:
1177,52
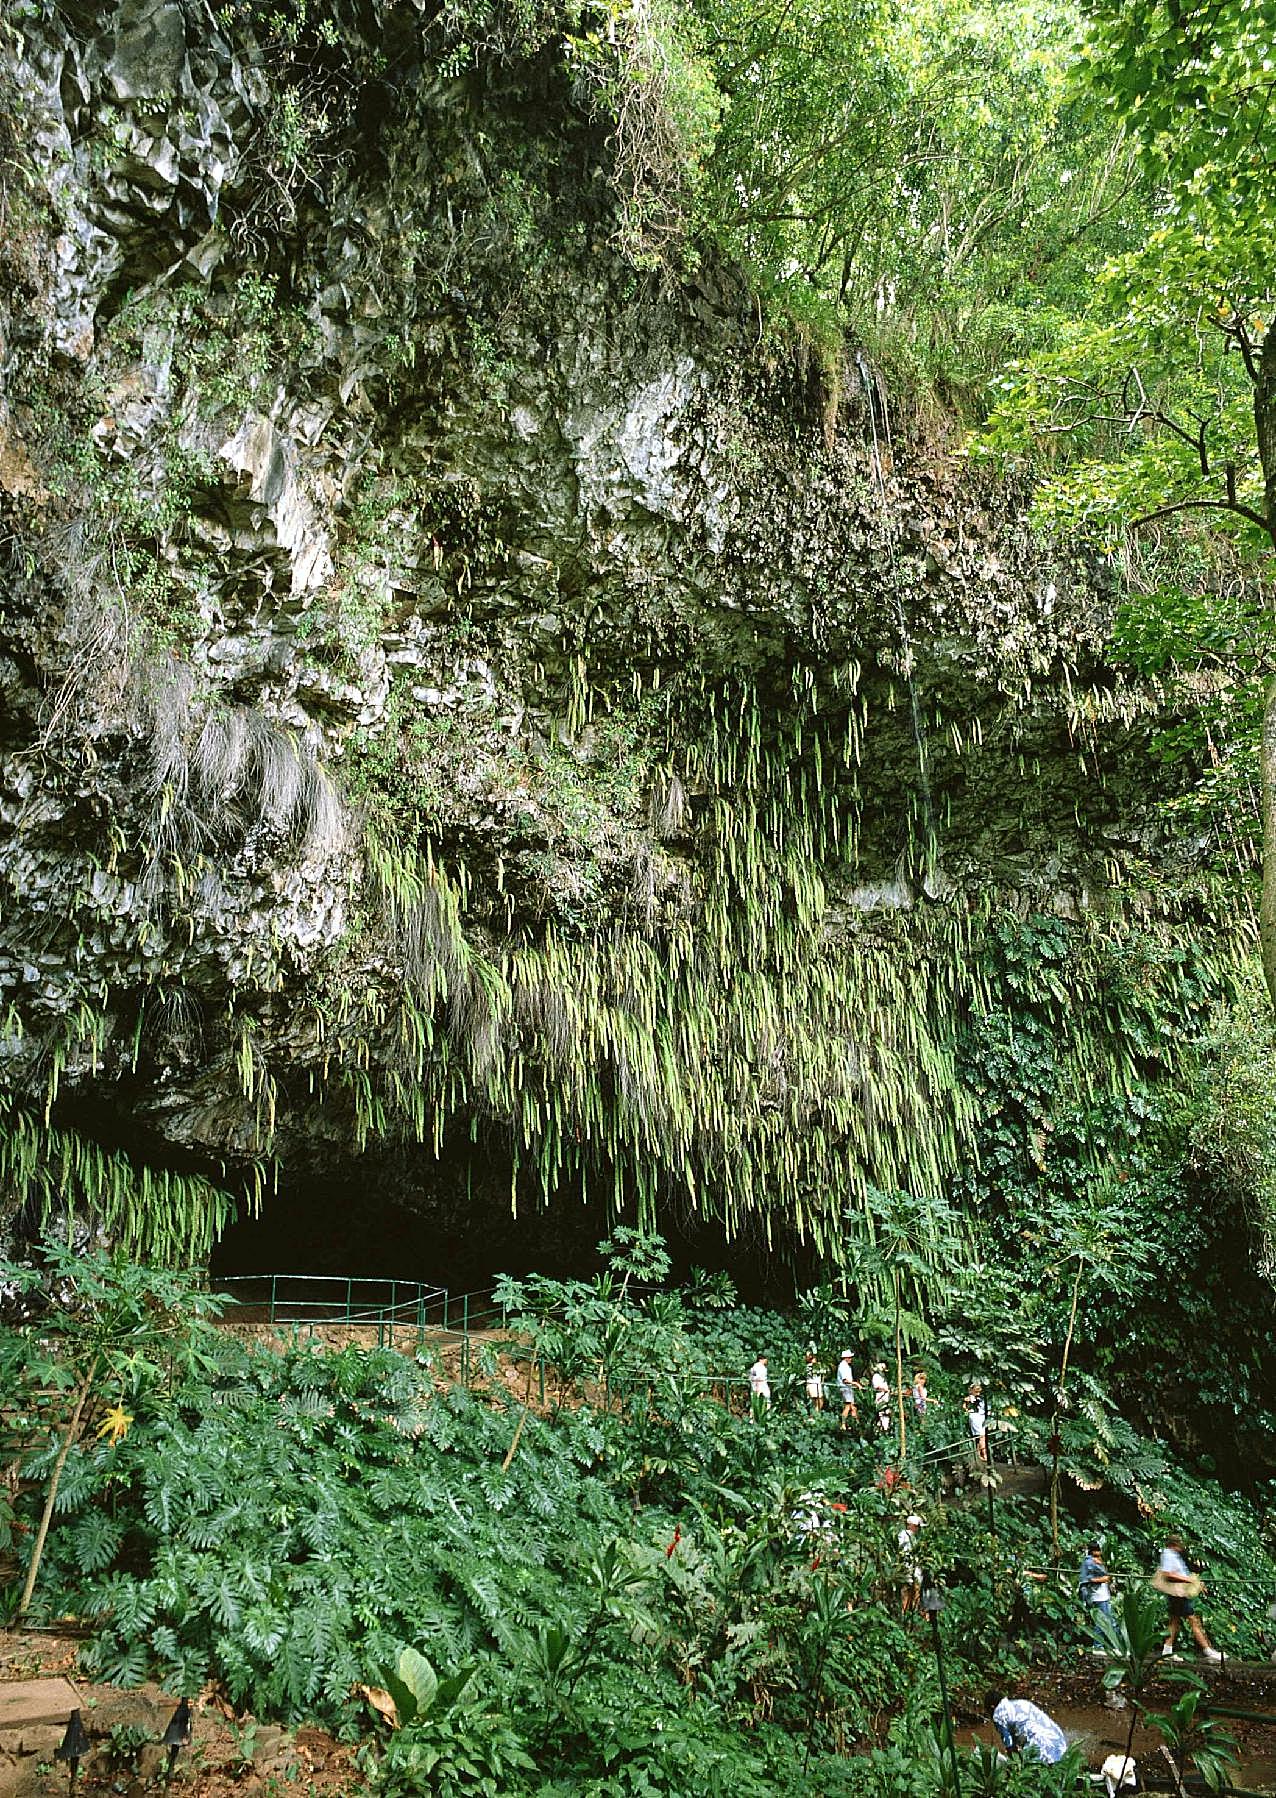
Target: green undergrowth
629,1588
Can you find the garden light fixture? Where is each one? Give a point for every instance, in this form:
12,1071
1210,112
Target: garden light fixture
73,1747
178,1734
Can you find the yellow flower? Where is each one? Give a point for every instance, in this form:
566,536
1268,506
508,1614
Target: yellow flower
114,1427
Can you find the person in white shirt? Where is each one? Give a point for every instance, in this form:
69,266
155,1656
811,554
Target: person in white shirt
1181,1586
882,1397
759,1384
1096,1593
911,1590
977,1418
846,1387
814,1380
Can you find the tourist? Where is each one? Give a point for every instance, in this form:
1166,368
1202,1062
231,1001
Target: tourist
921,1397
977,1418
814,1380
1092,1584
911,1589
881,1397
759,1384
1025,1729
846,1388
1181,1587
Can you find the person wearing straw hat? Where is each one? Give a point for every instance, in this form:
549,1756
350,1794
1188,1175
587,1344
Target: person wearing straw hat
1181,1587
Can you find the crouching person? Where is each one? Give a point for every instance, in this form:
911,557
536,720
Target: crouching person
1025,1729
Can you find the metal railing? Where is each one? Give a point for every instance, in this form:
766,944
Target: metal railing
408,1307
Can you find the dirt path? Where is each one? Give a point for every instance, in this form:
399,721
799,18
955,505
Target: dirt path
228,1755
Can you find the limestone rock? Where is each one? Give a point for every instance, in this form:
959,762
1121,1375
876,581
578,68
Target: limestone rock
334,505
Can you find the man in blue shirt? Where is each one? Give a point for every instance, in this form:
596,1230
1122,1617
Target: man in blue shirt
1095,1591
1025,1729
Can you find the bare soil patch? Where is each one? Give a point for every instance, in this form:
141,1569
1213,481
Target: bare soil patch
228,1755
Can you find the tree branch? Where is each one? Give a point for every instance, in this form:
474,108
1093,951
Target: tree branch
1196,443
1204,505
1234,330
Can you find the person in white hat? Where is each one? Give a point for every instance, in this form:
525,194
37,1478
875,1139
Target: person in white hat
882,1396
911,1589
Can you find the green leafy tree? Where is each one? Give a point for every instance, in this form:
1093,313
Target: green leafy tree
1163,390
924,173
1092,1248
915,1242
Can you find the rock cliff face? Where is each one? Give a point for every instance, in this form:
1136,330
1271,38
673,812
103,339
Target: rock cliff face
466,700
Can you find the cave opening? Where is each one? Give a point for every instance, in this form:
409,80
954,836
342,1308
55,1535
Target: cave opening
393,1215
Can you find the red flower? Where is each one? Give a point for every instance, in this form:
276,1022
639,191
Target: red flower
677,1538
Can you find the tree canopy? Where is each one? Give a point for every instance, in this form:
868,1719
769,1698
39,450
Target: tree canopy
1161,391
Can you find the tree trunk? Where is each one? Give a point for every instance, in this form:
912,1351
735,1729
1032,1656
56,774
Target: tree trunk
1265,433
1054,1430
899,1371
1267,910
46,1518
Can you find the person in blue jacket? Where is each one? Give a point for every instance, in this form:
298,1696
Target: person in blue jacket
1025,1729
1096,1593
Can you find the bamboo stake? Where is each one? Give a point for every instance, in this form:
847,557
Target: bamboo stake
55,1477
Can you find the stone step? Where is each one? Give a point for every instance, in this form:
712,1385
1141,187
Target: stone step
26,1702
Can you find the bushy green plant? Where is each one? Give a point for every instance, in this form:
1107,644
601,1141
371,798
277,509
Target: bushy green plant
104,1332
1197,1741
448,1740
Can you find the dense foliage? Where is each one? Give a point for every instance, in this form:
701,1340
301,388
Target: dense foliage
634,1587
1160,395
1043,1151
925,178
